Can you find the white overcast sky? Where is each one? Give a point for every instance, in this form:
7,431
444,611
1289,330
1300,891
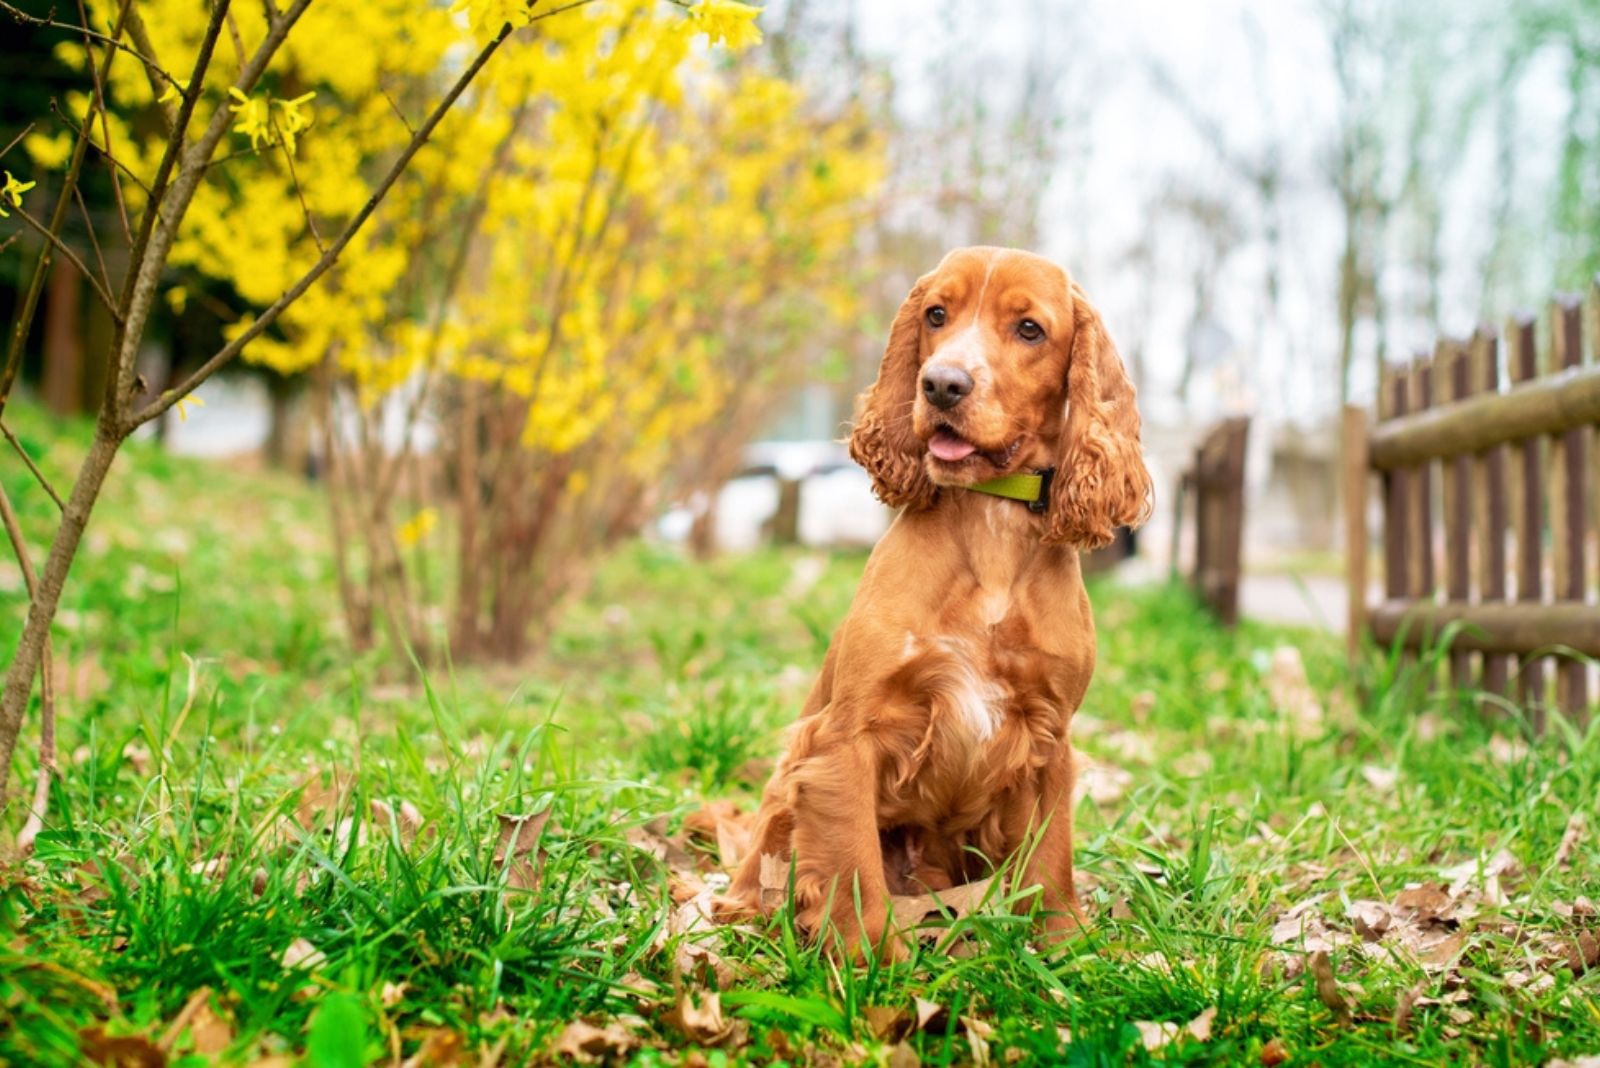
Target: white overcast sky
1261,69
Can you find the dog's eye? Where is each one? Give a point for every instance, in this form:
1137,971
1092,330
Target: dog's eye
1030,331
935,317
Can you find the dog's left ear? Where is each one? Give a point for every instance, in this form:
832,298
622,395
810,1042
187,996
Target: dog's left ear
1101,482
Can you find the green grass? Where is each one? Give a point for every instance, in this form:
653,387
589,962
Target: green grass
203,829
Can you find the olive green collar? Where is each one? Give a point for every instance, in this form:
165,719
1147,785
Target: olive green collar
1033,489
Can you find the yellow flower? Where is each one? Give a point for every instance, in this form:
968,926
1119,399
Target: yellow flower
175,89
13,191
252,118
178,299
294,120
183,406
728,22
416,528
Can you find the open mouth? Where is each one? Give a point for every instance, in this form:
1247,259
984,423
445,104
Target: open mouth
952,448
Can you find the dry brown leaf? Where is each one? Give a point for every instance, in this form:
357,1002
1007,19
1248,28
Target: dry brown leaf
1576,823
1588,1061
406,819
209,1034
519,850
1371,918
440,1046
930,1014
1379,778
302,954
1321,967
979,1032
124,1051
1199,1028
903,1056
1104,784
392,994
1429,901
1403,1006
910,910
1155,1036
888,1024
1291,694
1274,1053
774,877
702,1023
585,1043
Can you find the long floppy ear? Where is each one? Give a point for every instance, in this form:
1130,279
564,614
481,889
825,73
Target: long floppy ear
882,440
1101,482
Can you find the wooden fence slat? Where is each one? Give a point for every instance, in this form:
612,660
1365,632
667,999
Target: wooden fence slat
1489,497
1353,458
1568,459
1527,478
1451,366
1421,580
1396,492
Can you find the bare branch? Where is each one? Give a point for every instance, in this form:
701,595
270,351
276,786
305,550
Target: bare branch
270,315
24,132
31,466
144,57
94,242
160,80
30,300
66,250
98,82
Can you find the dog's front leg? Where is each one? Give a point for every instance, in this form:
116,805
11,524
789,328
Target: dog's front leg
838,857
1050,861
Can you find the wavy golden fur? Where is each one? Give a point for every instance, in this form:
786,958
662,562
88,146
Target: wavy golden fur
934,745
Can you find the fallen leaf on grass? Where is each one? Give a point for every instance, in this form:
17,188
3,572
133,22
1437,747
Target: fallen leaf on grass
123,1051
1155,1036
209,1034
1291,694
1321,967
1379,778
1570,838
930,1014
1274,1053
979,1033
302,954
406,819
703,1022
1104,784
519,847
586,1043
888,1024
723,825
910,910
440,1046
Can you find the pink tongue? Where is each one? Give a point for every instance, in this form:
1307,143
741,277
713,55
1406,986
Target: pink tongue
948,447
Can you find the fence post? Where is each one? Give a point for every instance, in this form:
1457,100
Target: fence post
1568,463
1353,453
1528,474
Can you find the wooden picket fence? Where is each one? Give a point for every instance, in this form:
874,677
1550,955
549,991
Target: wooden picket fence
1215,484
1484,453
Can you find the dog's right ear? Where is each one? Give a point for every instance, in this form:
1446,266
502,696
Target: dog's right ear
883,440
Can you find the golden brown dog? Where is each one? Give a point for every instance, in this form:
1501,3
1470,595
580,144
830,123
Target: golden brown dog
934,744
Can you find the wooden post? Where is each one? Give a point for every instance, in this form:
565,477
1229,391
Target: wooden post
1420,582
1490,499
1392,398
1527,479
1353,456
1451,362
1568,463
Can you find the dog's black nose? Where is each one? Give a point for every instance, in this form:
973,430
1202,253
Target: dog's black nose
944,386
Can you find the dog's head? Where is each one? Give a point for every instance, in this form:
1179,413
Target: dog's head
997,363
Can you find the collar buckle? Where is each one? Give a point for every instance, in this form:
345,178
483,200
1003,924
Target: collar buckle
1041,504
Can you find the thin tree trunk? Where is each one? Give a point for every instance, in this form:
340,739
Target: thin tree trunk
42,610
